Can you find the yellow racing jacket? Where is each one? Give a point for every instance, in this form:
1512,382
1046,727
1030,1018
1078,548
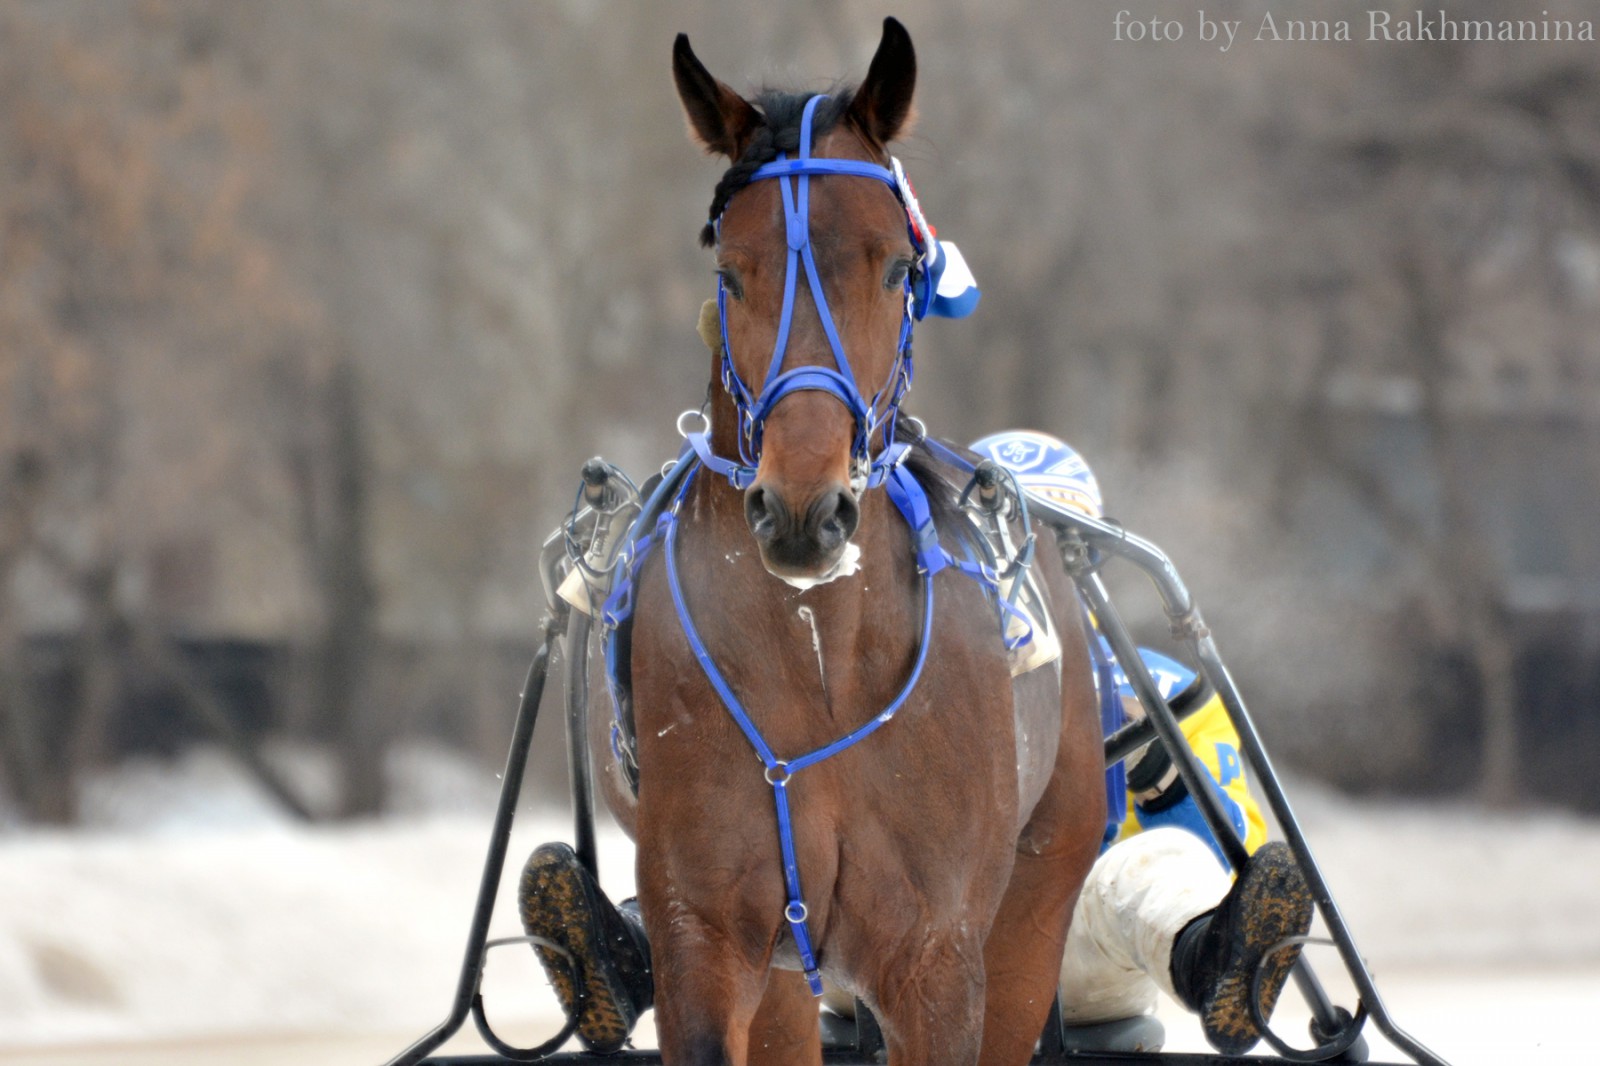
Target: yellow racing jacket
1213,738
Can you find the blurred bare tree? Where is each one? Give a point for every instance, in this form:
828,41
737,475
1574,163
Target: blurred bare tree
1456,239
310,311
137,301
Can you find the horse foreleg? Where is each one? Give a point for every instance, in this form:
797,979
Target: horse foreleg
785,1031
706,993
933,1014
1023,957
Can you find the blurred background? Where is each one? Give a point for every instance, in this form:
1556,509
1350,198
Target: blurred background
309,313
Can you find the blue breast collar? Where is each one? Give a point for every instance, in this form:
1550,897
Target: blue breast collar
911,501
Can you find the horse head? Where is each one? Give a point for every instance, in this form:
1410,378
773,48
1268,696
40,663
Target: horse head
815,271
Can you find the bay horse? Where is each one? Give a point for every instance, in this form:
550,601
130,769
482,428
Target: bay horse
789,608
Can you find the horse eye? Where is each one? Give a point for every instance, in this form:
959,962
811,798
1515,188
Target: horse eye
899,270
730,284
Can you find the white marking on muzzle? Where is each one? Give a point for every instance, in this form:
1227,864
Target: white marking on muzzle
849,563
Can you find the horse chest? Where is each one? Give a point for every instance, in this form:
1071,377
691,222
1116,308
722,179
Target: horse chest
811,666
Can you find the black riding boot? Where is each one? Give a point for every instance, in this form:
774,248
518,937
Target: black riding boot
1216,956
603,981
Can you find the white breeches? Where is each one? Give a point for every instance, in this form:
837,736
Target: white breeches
1139,895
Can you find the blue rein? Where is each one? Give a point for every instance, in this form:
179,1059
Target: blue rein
886,469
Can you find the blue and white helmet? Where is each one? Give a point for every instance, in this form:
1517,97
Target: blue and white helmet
1045,467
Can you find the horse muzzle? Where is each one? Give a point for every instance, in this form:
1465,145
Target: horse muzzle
801,543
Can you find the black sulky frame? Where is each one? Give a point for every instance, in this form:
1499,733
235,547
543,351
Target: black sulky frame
1086,546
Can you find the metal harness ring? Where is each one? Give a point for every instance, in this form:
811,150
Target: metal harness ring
705,422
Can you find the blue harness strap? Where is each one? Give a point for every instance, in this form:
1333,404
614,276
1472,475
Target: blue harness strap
912,502
739,476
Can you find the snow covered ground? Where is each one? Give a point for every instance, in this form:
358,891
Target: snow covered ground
194,925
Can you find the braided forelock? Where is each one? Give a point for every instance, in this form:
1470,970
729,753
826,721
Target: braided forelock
779,132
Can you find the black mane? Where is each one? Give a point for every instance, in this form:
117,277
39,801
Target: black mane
779,132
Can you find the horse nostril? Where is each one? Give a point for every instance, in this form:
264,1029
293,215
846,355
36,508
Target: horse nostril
835,517
761,511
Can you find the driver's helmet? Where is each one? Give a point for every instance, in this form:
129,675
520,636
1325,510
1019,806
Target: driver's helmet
1045,467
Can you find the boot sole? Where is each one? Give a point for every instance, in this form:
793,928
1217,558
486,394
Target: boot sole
556,903
1277,902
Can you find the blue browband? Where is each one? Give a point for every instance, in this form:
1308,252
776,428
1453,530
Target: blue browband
886,468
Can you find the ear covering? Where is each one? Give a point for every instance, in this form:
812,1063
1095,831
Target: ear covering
947,288
955,292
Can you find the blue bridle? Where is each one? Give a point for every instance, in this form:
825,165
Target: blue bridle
838,381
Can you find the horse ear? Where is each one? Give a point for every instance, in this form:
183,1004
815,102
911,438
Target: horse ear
720,120
882,106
